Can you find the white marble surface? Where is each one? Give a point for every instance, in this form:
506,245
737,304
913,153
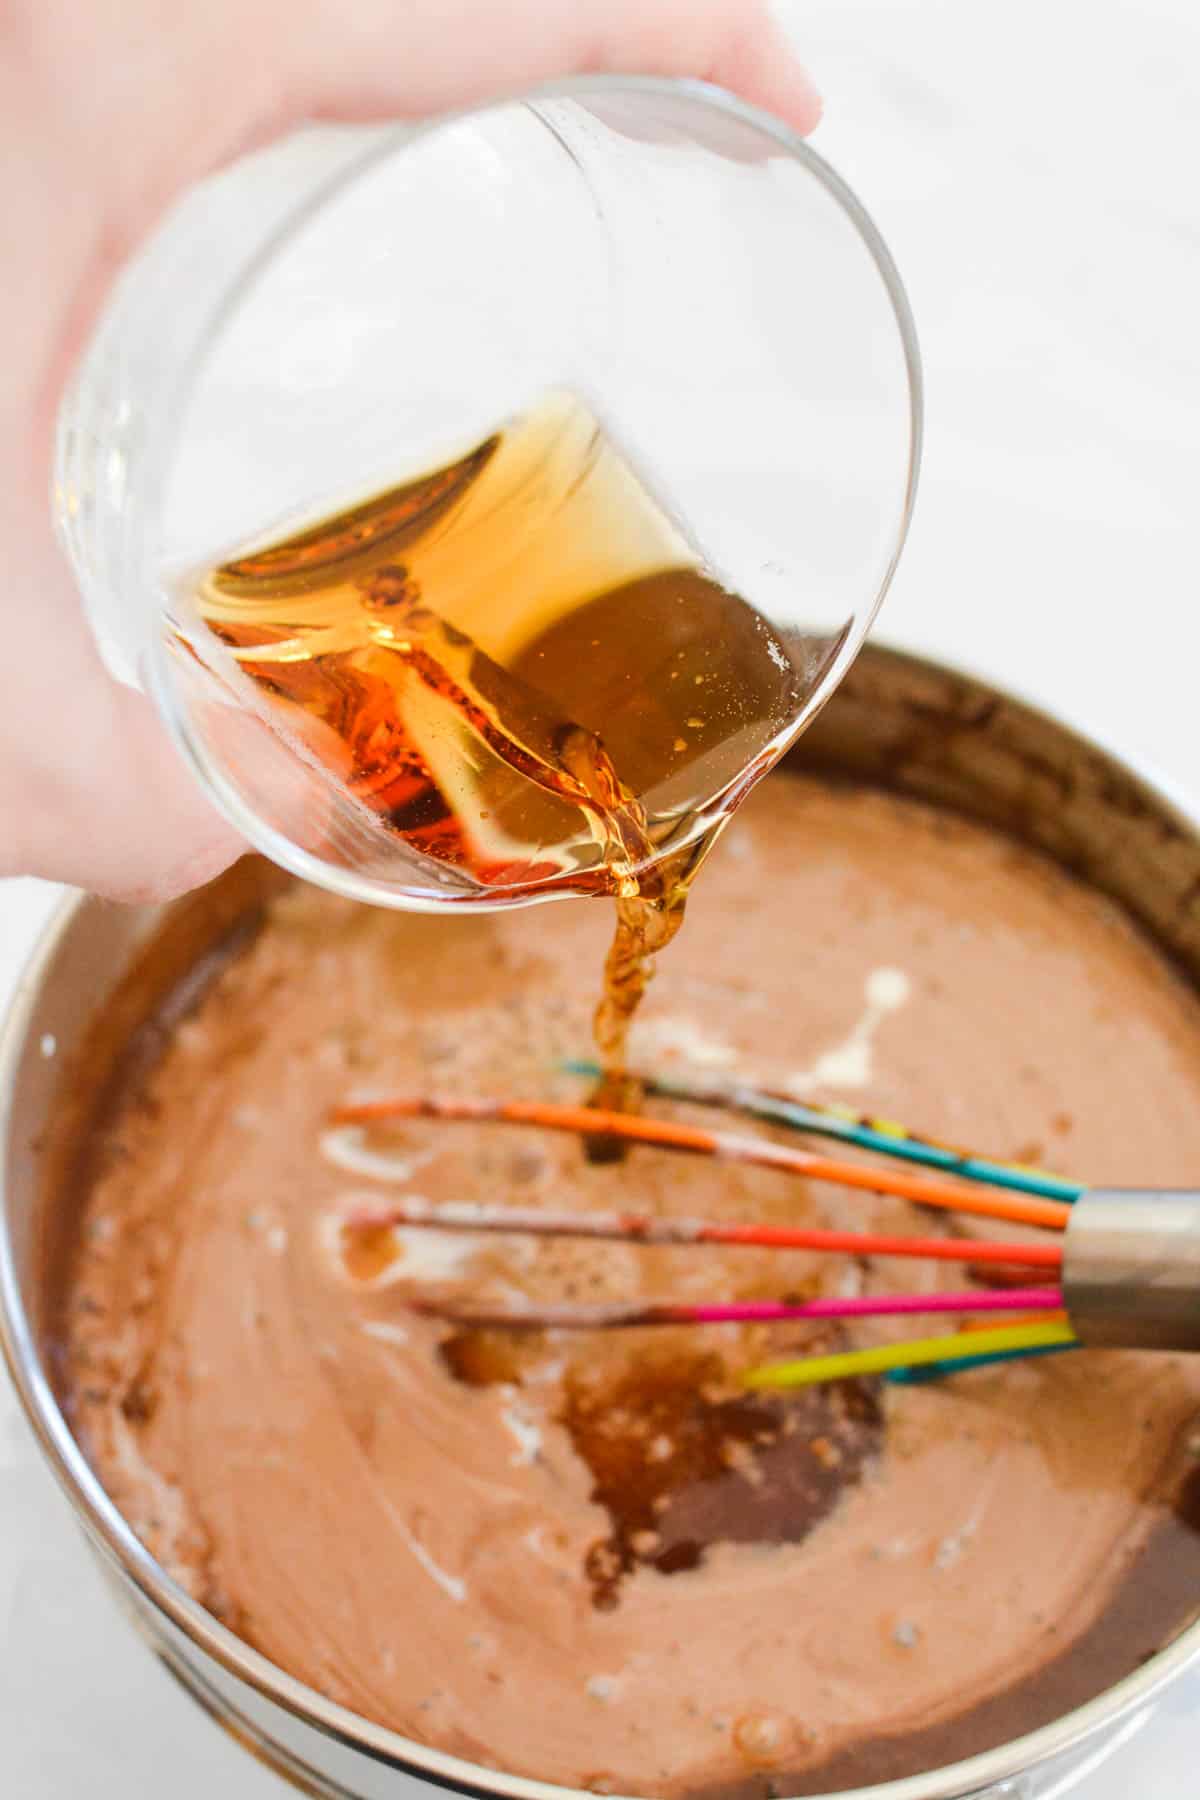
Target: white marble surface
1034,167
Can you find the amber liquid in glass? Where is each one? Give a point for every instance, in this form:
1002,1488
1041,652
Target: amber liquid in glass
518,664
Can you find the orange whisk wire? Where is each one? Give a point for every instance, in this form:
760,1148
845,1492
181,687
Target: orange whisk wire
669,1134
471,1216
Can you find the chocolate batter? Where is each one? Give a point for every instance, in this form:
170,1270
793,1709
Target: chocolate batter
596,1559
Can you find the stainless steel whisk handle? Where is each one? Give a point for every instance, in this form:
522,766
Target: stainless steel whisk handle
1131,1268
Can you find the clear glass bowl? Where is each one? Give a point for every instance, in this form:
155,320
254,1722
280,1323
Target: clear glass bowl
354,306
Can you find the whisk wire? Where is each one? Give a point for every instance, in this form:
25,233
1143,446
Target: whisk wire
883,1136
1027,1196
671,1134
879,1358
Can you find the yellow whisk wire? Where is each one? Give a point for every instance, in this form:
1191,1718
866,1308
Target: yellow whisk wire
809,1370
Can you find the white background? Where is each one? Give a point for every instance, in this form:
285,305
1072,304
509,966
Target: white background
1035,167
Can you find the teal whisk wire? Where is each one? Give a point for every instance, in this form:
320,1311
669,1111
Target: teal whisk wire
879,1135
957,1365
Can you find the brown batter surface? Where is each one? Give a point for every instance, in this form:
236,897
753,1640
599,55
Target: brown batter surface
596,1559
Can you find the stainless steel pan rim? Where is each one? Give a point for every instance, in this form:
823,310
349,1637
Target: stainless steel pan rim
126,1558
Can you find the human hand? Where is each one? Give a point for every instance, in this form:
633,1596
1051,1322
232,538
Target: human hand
108,110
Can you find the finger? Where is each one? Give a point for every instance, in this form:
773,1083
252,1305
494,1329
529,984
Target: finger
136,826
92,791
388,60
